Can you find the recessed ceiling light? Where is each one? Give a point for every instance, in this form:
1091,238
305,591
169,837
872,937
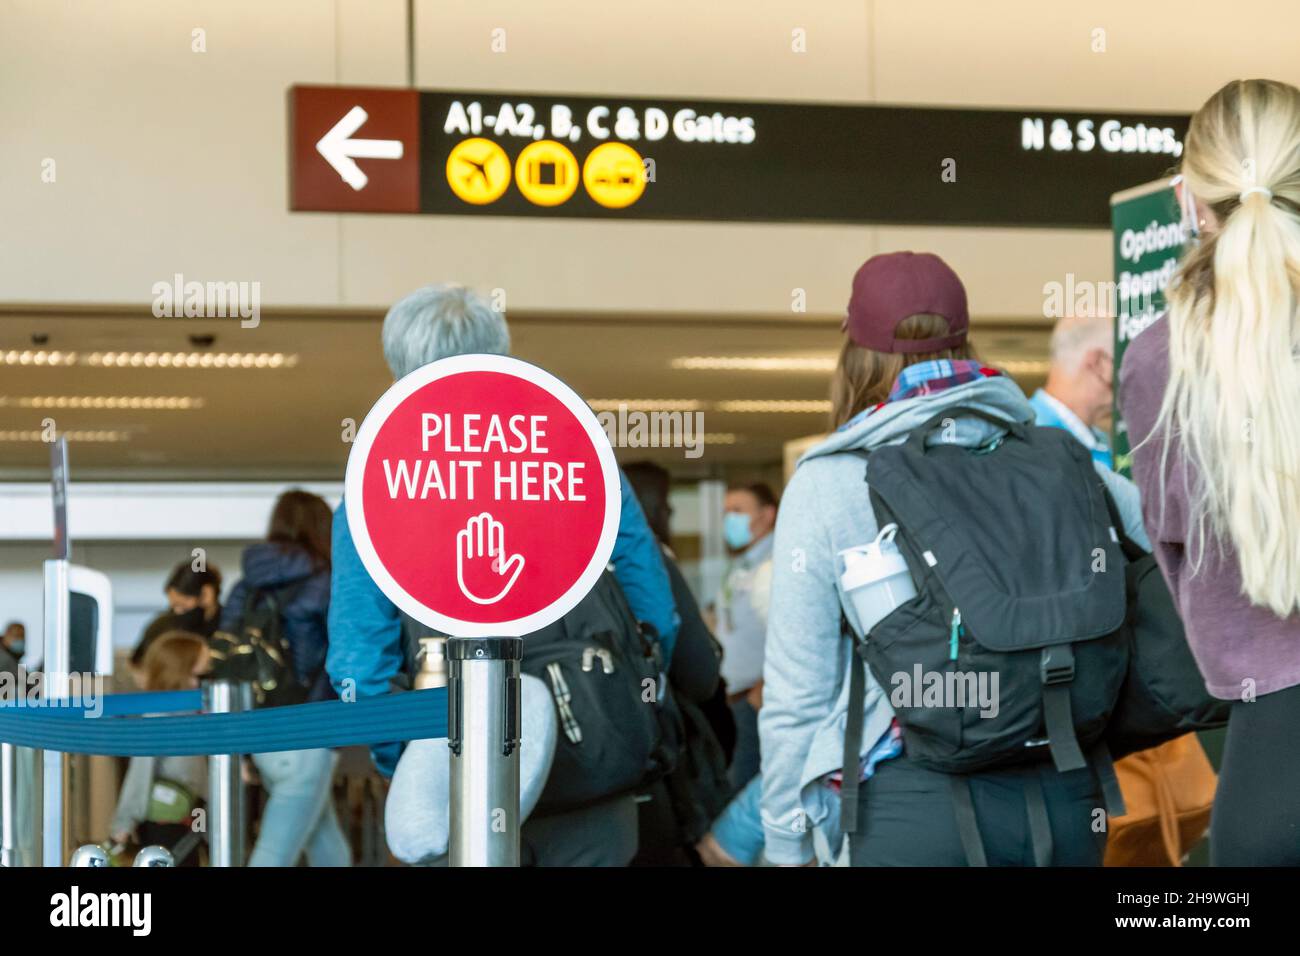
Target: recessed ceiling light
755,363
189,359
75,435
117,402
37,357
777,406
646,404
45,357
695,405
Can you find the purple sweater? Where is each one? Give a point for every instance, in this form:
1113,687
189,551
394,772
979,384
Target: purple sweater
1233,640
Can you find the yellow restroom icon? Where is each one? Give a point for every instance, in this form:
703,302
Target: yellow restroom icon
614,175
546,173
478,171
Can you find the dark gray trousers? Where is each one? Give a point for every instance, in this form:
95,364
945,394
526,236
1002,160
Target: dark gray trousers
907,818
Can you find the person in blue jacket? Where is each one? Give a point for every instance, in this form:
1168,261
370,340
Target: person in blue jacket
366,652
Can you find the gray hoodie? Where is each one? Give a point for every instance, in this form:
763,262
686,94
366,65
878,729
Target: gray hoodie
824,510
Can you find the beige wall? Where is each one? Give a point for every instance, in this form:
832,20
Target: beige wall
173,161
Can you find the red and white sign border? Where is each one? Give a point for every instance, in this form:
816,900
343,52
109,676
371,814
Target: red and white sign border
354,500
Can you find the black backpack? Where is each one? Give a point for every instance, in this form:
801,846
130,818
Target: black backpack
1164,694
698,787
1019,578
602,669
257,651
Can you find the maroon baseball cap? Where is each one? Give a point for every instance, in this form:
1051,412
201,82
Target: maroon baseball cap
890,287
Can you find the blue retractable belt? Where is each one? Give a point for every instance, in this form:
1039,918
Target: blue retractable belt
414,715
117,705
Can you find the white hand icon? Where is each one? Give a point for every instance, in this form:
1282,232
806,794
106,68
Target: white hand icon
484,537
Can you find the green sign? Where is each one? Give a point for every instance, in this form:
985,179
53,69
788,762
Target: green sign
1149,240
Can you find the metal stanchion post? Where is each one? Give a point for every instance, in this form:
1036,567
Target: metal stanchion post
483,737
21,770
227,802
56,688
9,853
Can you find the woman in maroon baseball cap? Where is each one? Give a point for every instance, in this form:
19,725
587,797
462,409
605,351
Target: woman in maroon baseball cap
906,308
905,367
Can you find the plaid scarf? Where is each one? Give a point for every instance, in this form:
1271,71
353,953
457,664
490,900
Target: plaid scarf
926,378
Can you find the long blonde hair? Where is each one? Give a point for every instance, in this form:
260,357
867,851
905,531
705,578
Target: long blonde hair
1233,397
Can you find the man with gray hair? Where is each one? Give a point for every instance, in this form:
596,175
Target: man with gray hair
438,321
1078,395
367,652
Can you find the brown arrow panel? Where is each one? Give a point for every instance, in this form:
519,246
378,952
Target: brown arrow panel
393,184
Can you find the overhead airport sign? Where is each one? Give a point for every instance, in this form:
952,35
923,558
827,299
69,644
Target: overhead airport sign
616,157
483,496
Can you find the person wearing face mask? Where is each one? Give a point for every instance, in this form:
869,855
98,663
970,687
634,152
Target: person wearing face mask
13,644
741,610
194,606
1077,394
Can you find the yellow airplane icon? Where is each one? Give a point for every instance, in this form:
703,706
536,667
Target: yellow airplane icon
478,171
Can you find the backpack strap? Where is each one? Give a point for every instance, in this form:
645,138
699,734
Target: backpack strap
1131,549
250,603
851,772
279,598
1040,826
282,597
1056,668
1104,767
968,827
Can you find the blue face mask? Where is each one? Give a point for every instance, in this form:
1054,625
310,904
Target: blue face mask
17,648
735,530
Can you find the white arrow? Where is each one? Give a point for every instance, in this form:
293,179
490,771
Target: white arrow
339,149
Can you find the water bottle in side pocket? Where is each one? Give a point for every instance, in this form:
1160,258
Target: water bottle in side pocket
876,578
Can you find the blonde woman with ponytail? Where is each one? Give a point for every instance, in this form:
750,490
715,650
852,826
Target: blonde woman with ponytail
1211,395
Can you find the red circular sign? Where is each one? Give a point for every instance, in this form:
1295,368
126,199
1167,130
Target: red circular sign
483,496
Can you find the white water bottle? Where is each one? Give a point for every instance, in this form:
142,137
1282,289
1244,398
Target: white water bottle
876,578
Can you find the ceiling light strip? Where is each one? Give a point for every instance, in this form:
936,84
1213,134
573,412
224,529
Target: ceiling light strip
115,402
779,406
187,360
755,363
36,357
776,406
646,404
74,435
